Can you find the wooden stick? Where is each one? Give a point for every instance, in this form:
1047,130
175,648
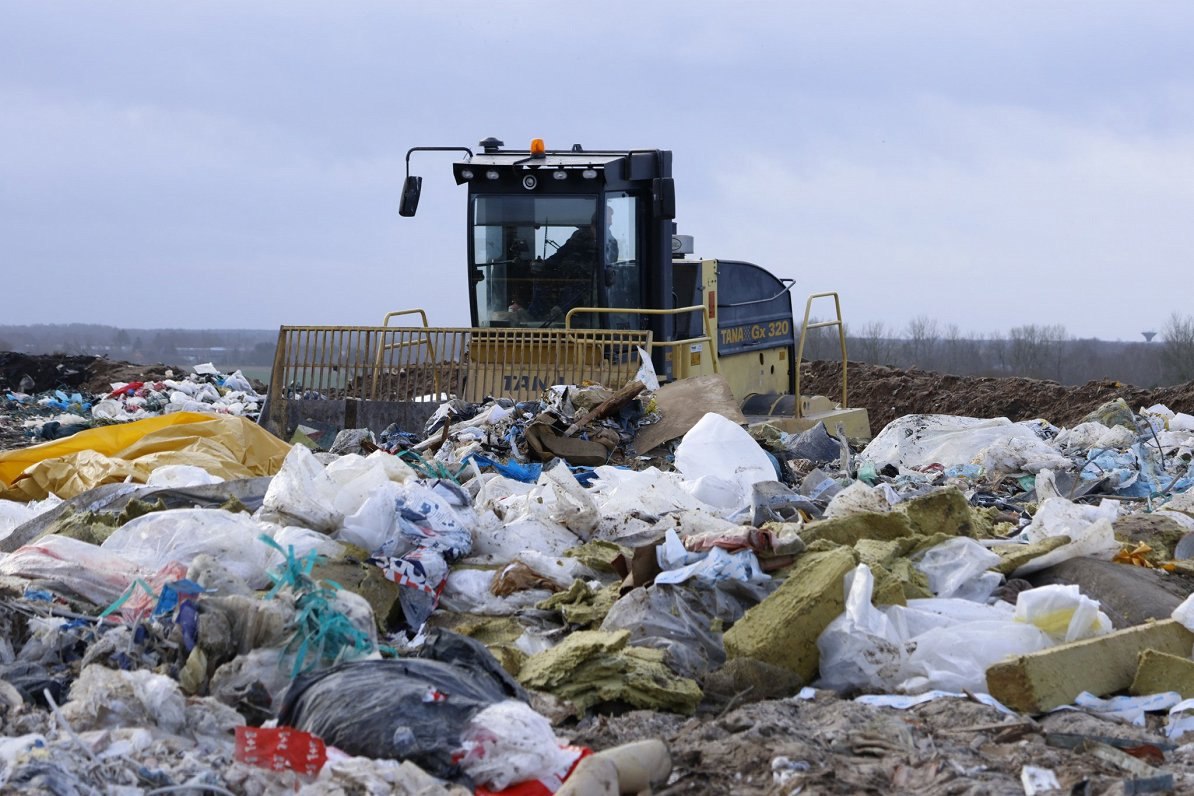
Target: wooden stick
608,406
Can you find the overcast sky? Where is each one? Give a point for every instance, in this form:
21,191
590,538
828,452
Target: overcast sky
238,164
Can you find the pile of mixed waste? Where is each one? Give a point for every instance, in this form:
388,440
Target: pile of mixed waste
189,601
57,413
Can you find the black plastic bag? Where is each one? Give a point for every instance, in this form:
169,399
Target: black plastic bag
406,709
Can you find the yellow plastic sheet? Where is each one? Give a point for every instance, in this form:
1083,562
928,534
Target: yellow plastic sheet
225,446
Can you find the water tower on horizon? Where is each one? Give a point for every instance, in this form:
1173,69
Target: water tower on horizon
1148,336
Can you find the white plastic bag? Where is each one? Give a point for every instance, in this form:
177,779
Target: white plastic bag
1089,528
862,648
1062,612
72,567
181,475
468,591
14,514
942,643
574,507
302,492
958,568
508,743
646,372
375,522
154,540
717,446
1184,613
919,440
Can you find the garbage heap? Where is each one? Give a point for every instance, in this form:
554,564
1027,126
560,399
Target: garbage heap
188,601
62,411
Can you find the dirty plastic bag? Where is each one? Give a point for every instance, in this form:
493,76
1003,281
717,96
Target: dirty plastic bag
560,570
814,444
303,492
862,647
646,372
958,568
718,564
14,514
1016,455
1089,528
680,620
940,643
1063,612
72,568
403,709
153,540
717,446
859,498
574,507
103,698
1085,436
436,515
650,492
919,440
500,542
181,475
469,591
509,742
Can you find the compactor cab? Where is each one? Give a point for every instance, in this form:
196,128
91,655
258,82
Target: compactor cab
573,266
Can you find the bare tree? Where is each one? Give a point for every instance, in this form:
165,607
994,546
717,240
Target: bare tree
1037,351
1177,350
822,343
873,344
921,344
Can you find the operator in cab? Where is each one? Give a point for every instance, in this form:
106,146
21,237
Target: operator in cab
567,278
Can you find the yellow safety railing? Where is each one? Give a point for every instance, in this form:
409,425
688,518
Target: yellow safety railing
420,363
841,332
701,308
381,349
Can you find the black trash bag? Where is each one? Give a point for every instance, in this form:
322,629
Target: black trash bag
405,709
816,445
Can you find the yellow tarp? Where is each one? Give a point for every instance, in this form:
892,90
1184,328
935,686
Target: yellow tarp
226,446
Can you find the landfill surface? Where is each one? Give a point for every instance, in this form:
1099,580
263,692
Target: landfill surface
990,596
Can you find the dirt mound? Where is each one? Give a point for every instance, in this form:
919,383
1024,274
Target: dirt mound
888,393
35,373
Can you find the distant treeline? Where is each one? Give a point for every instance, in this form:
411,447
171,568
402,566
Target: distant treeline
222,347
1034,351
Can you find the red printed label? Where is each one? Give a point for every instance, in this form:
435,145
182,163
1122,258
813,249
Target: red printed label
280,749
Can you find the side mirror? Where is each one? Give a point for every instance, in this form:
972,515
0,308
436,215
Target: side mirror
410,196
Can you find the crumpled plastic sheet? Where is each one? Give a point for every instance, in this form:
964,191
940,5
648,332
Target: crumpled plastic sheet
230,447
679,619
712,567
919,440
932,644
1128,709
435,522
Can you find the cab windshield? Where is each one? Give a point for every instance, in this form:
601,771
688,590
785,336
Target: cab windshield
535,258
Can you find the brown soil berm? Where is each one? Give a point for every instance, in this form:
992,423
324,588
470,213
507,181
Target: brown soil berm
888,393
